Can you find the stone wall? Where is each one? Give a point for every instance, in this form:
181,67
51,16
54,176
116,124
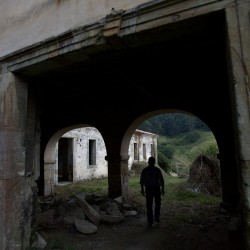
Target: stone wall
82,170
142,139
30,22
46,29
81,167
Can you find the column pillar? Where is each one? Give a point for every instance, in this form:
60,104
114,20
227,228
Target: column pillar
15,191
124,175
238,26
49,169
114,175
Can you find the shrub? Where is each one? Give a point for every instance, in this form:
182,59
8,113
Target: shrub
163,162
209,149
191,137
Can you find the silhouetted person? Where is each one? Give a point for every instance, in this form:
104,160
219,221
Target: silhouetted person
152,185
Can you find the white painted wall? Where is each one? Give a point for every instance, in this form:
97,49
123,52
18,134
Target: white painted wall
81,168
142,137
26,22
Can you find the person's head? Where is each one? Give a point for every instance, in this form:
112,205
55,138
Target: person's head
151,161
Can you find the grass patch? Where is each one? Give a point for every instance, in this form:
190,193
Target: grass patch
99,186
186,147
176,191
176,195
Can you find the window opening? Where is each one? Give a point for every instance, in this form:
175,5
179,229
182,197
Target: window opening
152,150
144,151
92,152
135,151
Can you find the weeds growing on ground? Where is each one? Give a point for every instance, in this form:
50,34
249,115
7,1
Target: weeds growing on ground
180,206
99,186
176,191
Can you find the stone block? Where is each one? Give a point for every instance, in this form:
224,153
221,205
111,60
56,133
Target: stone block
12,213
12,153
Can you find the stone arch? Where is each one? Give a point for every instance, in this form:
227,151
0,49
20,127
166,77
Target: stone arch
50,157
127,137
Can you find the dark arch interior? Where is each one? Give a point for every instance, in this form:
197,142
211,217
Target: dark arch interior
178,66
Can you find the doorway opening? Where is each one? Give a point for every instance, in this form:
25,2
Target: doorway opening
65,160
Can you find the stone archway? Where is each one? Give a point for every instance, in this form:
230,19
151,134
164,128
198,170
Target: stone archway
50,158
210,26
127,137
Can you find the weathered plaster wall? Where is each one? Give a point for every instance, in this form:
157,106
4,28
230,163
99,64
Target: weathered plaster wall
16,186
81,168
26,22
142,137
238,24
31,21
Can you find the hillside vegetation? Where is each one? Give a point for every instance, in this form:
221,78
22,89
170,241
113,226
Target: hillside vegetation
182,138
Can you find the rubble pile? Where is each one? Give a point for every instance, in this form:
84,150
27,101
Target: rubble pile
84,212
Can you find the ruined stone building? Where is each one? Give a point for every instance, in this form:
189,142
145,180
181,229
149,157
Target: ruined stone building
111,65
81,154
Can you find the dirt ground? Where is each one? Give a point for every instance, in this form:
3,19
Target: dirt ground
185,228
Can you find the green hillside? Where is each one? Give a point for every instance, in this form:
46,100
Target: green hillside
181,139
183,150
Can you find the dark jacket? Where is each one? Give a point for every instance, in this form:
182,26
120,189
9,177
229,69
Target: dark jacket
151,176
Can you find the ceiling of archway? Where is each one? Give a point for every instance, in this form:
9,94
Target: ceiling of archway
182,64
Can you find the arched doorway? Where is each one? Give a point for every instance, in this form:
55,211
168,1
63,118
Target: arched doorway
74,153
188,139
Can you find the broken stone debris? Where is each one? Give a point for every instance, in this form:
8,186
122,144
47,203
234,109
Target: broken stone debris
39,242
90,212
85,226
87,212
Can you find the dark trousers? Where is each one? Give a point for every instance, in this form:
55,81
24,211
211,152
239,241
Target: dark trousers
153,195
